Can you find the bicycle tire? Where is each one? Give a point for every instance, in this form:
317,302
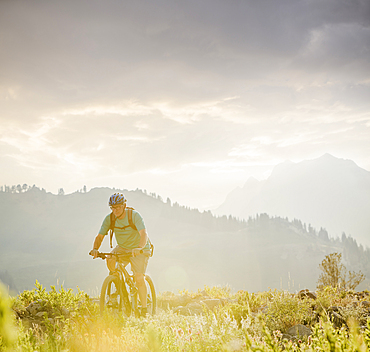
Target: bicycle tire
111,296
151,298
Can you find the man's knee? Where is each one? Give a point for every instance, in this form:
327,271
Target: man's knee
111,263
139,278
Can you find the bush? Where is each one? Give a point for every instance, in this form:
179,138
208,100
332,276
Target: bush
334,274
254,301
218,291
56,300
286,310
7,330
236,311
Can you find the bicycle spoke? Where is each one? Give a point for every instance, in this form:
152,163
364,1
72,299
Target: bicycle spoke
111,298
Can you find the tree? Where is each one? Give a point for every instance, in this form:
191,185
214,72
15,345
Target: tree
323,234
60,192
335,274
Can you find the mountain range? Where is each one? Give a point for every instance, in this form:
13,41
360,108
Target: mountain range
326,192
47,237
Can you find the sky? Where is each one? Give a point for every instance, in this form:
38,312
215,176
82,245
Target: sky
186,99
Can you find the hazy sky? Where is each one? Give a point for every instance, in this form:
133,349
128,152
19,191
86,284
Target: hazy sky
183,98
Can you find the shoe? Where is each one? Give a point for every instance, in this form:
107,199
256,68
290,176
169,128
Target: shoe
112,300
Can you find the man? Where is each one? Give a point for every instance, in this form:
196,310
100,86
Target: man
128,240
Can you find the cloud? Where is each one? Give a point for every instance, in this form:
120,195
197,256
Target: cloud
186,50
204,92
341,50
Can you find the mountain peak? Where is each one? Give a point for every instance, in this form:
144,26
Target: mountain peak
326,192
328,156
251,181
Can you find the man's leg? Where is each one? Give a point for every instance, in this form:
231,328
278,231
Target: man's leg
138,266
140,283
111,263
111,260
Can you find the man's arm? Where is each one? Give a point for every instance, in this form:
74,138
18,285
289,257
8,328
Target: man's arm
143,240
97,243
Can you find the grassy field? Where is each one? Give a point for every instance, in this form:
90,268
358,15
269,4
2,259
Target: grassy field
243,322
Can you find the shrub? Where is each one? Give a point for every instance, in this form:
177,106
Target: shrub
7,330
254,301
286,310
236,311
56,300
335,274
327,297
218,291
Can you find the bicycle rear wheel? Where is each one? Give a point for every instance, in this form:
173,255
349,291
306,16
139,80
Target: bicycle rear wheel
112,297
151,296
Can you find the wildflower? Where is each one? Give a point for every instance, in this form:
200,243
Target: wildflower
309,340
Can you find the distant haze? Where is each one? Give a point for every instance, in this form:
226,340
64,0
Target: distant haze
187,99
326,192
50,243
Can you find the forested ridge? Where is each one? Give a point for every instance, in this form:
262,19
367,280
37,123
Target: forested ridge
40,227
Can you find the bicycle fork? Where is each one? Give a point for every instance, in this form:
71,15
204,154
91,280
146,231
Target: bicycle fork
133,293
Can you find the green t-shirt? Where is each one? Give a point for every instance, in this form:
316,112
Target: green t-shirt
127,238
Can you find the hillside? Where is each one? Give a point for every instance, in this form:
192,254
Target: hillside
325,192
47,237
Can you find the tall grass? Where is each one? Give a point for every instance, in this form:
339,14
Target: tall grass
7,329
248,322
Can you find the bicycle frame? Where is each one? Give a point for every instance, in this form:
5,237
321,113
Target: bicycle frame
124,278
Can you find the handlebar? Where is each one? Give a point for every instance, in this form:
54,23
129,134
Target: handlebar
103,255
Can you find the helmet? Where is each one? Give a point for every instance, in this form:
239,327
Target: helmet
116,199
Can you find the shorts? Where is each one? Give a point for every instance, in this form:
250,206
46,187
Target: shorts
138,263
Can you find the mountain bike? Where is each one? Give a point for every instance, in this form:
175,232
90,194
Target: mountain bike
119,293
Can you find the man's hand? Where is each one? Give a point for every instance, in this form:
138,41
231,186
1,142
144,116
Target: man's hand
94,253
136,251
97,242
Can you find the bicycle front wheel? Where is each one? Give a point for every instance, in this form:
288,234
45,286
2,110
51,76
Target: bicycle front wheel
112,296
151,298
